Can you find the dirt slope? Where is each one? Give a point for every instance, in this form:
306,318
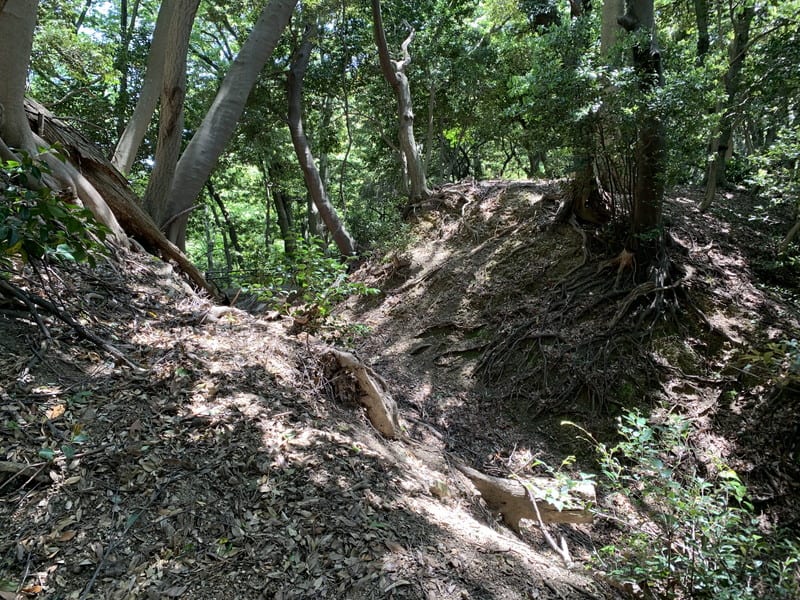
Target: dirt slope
232,465
223,467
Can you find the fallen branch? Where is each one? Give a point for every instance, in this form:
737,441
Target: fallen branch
32,301
560,549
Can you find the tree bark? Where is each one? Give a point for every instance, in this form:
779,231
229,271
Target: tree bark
200,157
703,39
720,144
283,209
17,22
170,127
394,71
229,226
101,175
314,184
135,130
648,190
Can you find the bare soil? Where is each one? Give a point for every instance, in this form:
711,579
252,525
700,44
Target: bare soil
229,463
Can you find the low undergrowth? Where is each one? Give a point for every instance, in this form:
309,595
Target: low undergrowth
695,535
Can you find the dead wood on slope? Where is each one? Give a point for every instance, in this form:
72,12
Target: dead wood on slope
375,396
511,499
114,188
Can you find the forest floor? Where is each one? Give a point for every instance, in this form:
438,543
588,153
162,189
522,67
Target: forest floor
227,462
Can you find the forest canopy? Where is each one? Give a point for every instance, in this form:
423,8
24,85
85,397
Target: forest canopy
624,101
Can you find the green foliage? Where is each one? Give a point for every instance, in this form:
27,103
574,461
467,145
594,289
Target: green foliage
700,537
312,277
564,483
778,362
35,225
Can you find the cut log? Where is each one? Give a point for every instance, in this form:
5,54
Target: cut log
509,498
381,407
114,188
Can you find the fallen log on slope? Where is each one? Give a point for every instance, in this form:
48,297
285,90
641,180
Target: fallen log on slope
510,498
114,188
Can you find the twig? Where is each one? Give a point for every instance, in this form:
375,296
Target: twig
561,549
30,300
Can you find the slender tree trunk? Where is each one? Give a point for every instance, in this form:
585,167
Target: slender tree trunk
209,240
395,74
132,136
226,217
127,24
721,142
170,127
283,208
79,21
703,38
316,188
201,155
226,247
17,22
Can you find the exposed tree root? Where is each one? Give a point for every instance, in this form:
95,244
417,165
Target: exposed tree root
549,363
375,396
515,501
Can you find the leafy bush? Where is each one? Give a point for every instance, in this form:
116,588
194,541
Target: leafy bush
700,537
36,225
311,277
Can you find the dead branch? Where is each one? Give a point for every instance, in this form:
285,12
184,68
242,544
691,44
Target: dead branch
32,301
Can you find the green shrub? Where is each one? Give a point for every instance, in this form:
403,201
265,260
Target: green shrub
699,536
36,225
311,277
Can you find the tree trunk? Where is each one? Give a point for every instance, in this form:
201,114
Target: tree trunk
609,29
648,191
122,60
170,126
721,141
283,208
132,136
395,74
226,217
226,247
316,188
703,39
17,22
210,139
101,175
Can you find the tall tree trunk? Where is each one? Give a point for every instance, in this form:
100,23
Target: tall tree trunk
648,191
609,29
201,155
721,142
127,24
283,208
394,71
703,39
170,126
135,130
316,188
226,217
226,247
17,22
